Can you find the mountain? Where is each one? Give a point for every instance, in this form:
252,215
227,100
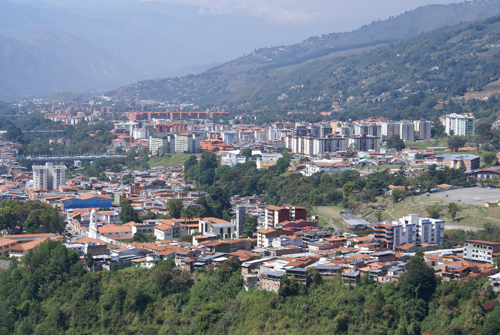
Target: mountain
232,79
41,62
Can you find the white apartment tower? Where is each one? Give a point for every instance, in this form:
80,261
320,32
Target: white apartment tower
460,124
49,176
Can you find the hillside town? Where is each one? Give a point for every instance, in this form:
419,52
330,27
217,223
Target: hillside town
287,239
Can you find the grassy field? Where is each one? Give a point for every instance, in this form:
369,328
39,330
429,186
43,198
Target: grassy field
169,160
470,215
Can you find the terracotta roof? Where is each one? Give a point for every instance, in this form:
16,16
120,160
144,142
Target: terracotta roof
112,228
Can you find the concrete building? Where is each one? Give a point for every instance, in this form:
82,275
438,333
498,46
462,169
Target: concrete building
229,137
267,160
480,251
422,129
327,167
276,214
231,159
49,176
187,142
388,129
469,162
409,229
364,142
406,131
164,141
222,229
460,124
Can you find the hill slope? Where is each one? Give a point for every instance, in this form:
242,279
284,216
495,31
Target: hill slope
238,74
41,62
406,79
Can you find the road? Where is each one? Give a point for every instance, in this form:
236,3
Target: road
460,226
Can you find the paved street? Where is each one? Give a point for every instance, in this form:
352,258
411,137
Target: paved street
472,195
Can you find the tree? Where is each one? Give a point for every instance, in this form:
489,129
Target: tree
434,211
174,206
419,281
379,215
128,213
456,142
453,210
397,195
186,238
250,226
158,183
89,260
187,214
128,179
396,142
247,152
488,157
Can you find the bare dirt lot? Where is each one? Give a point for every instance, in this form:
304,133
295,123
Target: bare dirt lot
471,195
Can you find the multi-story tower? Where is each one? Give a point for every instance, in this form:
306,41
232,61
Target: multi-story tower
49,176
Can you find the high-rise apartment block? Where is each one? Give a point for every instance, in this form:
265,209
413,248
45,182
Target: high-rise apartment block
459,124
49,176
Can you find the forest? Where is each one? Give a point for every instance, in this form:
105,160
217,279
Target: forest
51,293
30,217
346,189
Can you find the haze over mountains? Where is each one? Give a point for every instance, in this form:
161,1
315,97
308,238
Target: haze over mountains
97,46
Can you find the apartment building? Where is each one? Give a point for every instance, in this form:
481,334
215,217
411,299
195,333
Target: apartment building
459,124
164,141
409,229
407,131
275,214
187,142
469,162
388,129
49,176
480,251
422,129
267,160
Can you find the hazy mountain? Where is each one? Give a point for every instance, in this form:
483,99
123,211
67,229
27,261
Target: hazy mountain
41,62
241,72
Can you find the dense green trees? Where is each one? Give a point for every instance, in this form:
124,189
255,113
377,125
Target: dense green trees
174,206
52,294
128,213
250,226
396,142
30,217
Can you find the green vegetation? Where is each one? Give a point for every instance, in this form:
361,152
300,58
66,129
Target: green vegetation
52,294
30,217
128,213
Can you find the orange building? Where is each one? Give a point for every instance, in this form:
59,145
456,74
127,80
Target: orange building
209,145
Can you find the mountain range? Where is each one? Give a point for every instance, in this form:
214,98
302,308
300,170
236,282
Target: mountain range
236,76
88,46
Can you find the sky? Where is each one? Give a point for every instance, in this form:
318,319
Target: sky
350,13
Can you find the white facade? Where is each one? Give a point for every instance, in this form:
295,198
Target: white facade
187,142
49,176
461,125
285,241
231,159
480,251
325,166
162,141
140,134
229,137
267,160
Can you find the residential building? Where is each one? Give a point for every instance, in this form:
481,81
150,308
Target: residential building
480,251
422,129
231,159
459,124
388,129
469,162
276,214
327,167
409,229
406,131
49,176
187,142
222,229
267,160
265,237
164,141
364,143
229,137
